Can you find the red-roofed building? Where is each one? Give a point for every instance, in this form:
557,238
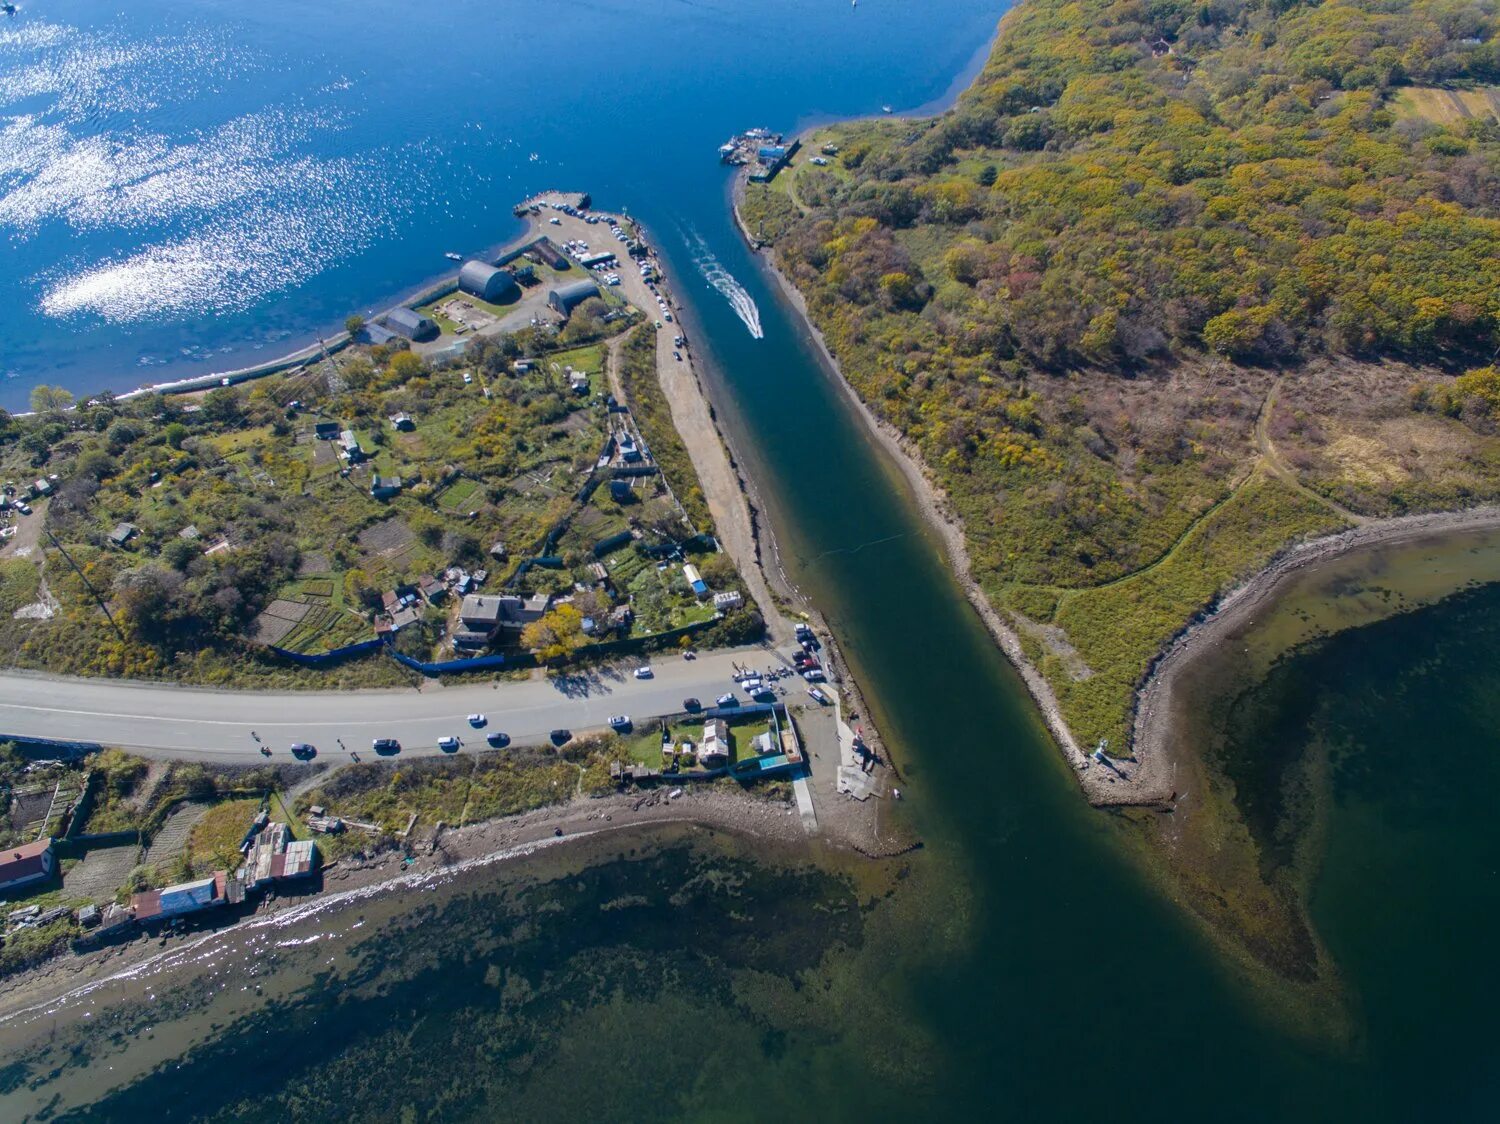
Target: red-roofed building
28,863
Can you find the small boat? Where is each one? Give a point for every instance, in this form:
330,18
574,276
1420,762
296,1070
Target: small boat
885,109
451,256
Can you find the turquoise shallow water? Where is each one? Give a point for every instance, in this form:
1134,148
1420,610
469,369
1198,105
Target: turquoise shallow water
1020,966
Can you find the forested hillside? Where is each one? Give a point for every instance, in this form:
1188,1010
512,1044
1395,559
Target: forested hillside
1169,274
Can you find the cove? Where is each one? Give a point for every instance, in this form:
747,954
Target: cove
1024,964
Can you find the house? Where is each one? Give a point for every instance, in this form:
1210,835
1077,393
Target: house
407,616
713,750
480,617
350,444
384,487
497,550
578,380
276,856
695,580
432,589
25,864
729,599
403,421
41,488
619,490
326,430
122,534
183,898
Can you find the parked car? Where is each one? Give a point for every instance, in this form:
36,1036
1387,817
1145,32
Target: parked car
561,737
497,739
23,507
386,746
619,722
303,752
448,744
818,696
813,676
478,721
643,673
726,700
692,705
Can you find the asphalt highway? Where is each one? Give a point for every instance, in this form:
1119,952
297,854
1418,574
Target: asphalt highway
187,723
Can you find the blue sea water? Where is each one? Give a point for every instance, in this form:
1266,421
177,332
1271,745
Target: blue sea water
192,187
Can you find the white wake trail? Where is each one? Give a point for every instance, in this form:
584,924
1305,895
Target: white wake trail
721,279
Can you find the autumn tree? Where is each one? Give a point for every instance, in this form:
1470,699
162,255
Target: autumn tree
556,635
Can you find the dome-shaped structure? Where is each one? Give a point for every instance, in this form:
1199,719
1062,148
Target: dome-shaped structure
569,297
487,282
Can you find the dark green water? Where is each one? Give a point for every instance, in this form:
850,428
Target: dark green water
1020,966
1023,965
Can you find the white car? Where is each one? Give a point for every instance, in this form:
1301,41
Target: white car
619,721
555,221
477,721
468,378
23,508
643,673
727,700
448,743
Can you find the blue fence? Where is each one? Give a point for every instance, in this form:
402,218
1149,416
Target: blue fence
443,667
328,659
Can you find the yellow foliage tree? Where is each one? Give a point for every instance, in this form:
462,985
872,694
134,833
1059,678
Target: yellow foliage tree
556,635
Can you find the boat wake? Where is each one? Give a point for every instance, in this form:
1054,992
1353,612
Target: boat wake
721,279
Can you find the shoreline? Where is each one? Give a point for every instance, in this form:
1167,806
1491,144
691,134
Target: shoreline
508,840
1152,719
936,511
1152,748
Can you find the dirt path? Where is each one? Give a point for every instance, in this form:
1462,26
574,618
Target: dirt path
1273,462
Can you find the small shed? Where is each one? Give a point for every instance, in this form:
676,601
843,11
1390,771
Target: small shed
403,421
695,580
122,534
384,487
326,430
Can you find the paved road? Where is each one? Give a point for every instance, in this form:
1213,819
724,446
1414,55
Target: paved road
161,720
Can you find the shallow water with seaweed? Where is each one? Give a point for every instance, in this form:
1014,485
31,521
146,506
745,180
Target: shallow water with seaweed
1026,963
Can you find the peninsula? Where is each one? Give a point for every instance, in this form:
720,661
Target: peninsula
513,483
1165,298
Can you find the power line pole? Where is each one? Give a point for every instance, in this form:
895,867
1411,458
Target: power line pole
86,583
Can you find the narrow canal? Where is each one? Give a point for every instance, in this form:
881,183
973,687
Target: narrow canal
1024,963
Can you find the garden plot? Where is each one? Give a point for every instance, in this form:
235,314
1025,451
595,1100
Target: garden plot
101,872
171,841
277,619
386,540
